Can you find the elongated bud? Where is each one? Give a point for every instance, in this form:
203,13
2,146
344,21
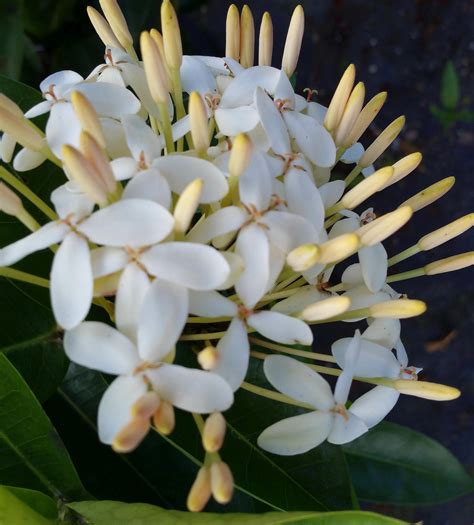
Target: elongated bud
158,39
398,309
351,113
430,194
265,41
171,36
10,203
200,492
338,248
20,129
7,147
213,433
404,167
131,435
303,257
365,118
240,155
326,308
155,71
98,159
381,228
446,233
103,29
450,264
199,122
117,22
426,390
232,33
88,117
294,38
164,418
8,104
208,358
366,188
146,406
187,205
382,142
339,99
222,482
247,37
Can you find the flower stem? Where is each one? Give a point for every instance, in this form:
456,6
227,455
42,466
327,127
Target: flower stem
339,153
352,175
17,275
25,218
292,351
166,126
202,337
270,394
409,252
178,101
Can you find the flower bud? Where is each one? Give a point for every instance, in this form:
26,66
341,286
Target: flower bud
339,99
378,230
16,125
7,147
338,248
446,233
430,194
366,188
397,309
171,36
146,406
155,71
265,41
303,257
117,22
404,167
426,390
88,117
450,264
247,37
98,159
187,205
293,41
158,39
208,358
200,491
214,432
164,418
326,308
351,112
222,482
9,105
10,203
240,155
232,33
382,142
131,435
103,29
365,118
199,122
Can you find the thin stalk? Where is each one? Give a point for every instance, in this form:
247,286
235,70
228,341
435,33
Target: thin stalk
332,220
352,175
270,394
202,337
292,351
17,275
166,126
417,272
409,252
177,94
25,218
339,153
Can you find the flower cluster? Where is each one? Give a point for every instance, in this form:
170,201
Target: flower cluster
230,216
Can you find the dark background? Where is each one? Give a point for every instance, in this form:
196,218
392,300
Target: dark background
402,47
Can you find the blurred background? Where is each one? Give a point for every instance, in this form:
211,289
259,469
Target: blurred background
421,52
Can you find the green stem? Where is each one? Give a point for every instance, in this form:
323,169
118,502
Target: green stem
17,275
270,394
409,252
292,351
339,153
177,95
417,272
166,126
352,175
25,218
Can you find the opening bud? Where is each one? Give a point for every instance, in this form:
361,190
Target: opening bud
382,142
187,205
232,33
164,418
450,264
397,309
200,492
103,29
365,118
214,432
326,308
265,41
131,435
146,406
404,167
240,155
338,248
155,70
98,159
293,41
117,22
88,117
208,358
429,195
426,390
15,124
10,203
446,233
247,37
222,482
366,188
303,257
378,230
198,120
339,99
351,112
171,36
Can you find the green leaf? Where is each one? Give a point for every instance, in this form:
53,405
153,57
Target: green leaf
33,455
116,513
11,29
14,510
449,86
37,501
393,464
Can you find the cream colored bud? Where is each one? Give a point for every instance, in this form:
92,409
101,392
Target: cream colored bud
199,122
426,390
326,308
213,433
155,70
366,188
338,248
397,309
303,257
294,38
171,36
208,358
339,99
10,203
378,230
351,113
247,37
164,418
131,435
88,117
117,22
365,118
232,33
158,39
9,105
200,492
450,264
187,205
103,29
16,125
240,155
265,41
446,233
222,482
382,142
404,167
146,406
430,194
97,157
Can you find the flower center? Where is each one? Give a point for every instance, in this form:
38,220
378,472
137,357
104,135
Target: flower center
341,410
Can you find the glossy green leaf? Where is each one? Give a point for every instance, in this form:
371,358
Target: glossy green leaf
37,501
393,464
12,43
15,511
449,86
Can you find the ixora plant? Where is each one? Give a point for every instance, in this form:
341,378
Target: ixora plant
202,207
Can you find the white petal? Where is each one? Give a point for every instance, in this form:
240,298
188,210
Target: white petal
38,109
236,266
112,75
346,430
361,297
130,222
272,122
124,168
192,390
27,159
210,304
402,356
281,328
223,221
63,127
115,142
298,381
255,184
60,78
68,201
373,263
316,111
232,121
161,319
331,192
191,265
300,300
100,347
141,139
385,332
303,197
134,76
373,406
353,154
196,76
277,261
288,231
149,185
343,226
297,434
284,90
106,261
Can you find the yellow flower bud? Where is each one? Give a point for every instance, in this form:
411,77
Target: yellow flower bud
381,228
265,41
10,203
8,104
382,142
426,390
155,71
232,33
339,99
208,358
88,117
98,159
158,39
365,118
213,433
247,37
446,233
103,29
18,127
117,22
430,194
187,205
171,36
326,308
240,155
351,112
200,491
303,257
131,435
146,406
222,482
293,41
338,248
397,309
450,264
366,188
164,418
199,122
404,167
